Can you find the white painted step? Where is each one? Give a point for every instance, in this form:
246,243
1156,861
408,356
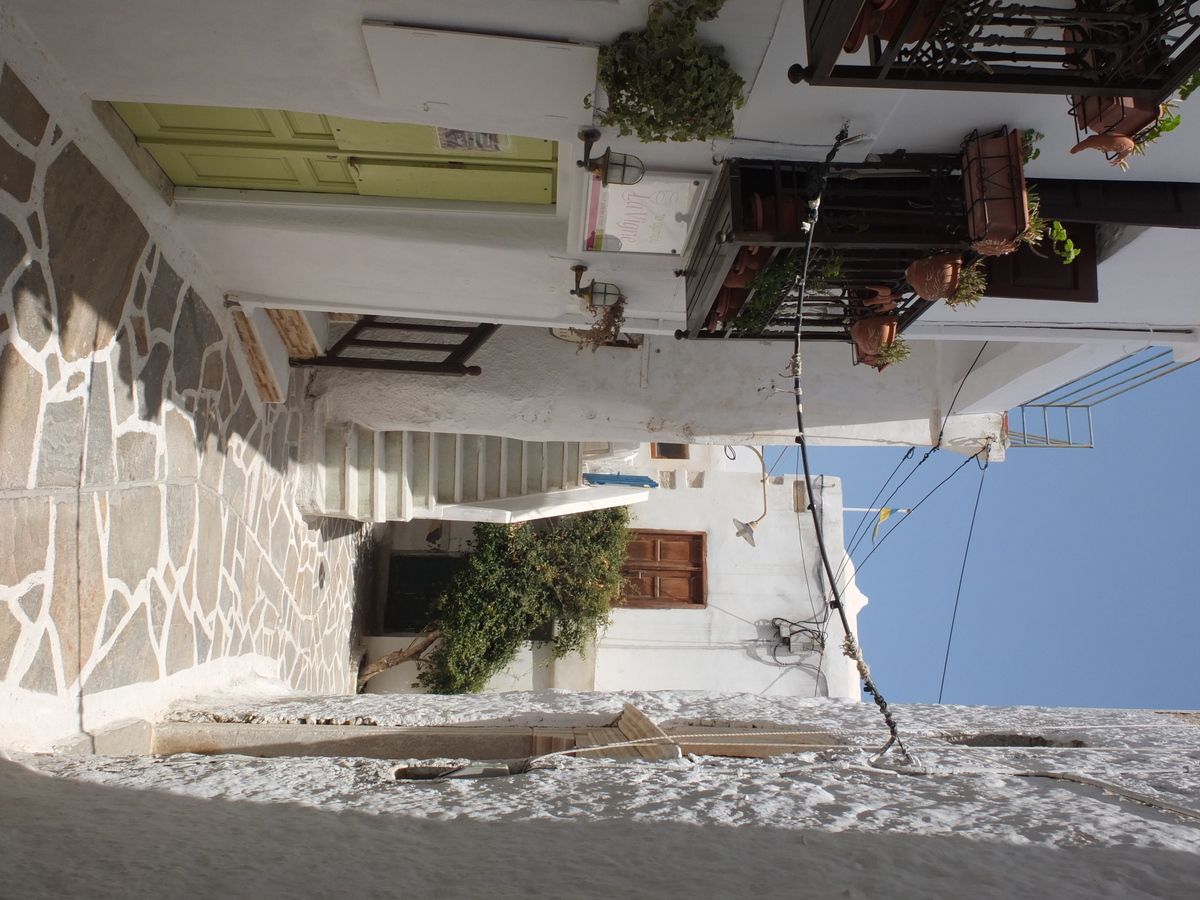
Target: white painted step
398,476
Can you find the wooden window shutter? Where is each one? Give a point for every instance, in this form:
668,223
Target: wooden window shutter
665,570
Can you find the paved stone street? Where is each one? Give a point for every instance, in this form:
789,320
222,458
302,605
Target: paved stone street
147,519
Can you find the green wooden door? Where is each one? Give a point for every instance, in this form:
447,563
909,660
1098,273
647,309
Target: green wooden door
259,149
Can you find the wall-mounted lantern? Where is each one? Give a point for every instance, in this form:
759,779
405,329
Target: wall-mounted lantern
745,530
597,294
613,168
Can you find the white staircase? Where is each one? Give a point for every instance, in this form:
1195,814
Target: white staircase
397,476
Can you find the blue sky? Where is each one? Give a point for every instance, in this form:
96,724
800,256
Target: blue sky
1081,587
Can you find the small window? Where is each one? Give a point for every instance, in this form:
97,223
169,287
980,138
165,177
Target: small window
669,451
665,570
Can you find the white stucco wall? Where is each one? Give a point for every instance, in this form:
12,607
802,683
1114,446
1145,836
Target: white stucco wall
536,387
726,646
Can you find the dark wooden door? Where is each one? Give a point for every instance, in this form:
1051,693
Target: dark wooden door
665,570
1031,276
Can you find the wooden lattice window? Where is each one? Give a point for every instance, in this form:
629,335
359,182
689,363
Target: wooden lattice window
665,570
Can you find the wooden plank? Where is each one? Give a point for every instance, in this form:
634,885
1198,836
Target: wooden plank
694,739
342,317
264,379
636,725
296,333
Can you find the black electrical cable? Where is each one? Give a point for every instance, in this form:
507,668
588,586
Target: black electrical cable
863,521
961,384
851,647
961,573
918,505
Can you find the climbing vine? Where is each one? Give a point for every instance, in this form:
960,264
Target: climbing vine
663,84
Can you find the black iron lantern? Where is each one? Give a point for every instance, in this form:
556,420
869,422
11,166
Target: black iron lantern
613,168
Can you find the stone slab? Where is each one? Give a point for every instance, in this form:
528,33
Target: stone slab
131,659
195,331
16,172
137,456
164,296
95,246
20,109
99,468
61,450
135,534
24,537
12,248
31,307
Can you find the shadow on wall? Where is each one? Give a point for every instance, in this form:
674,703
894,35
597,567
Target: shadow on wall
79,839
94,282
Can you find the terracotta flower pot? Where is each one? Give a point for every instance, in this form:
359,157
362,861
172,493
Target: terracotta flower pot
729,301
763,215
1114,115
871,334
1120,146
935,277
994,191
884,18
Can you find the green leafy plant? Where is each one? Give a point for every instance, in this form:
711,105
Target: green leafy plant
1041,228
771,284
517,579
894,351
663,84
605,329
1029,139
972,284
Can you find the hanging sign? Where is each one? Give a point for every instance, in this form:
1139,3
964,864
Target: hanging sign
652,216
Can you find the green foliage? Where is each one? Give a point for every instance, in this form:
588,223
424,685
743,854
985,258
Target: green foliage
663,84
972,283
1029,138
1040,228
517,579
1062,244
1190,86
771,284
892,352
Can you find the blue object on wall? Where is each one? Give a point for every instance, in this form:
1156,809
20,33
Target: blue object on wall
631,480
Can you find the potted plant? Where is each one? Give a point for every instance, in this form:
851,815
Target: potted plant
972,283
884,19
870,335
663,84
894,351
994,191
1124,126
934,277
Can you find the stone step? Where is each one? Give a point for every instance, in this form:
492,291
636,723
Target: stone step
398,476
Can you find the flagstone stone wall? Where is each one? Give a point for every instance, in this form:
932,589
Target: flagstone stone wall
147,519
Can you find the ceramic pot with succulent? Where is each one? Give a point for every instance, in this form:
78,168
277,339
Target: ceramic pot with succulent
994,191
1124,126
871,335
934,277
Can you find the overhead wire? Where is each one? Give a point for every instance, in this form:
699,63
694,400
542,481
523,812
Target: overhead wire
962,571
917,506
849,644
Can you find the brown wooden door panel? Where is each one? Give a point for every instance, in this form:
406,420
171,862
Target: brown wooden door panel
665,570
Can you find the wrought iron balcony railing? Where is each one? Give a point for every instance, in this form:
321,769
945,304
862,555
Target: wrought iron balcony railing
1142,49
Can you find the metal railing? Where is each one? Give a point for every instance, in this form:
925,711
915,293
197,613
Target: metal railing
1062,417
